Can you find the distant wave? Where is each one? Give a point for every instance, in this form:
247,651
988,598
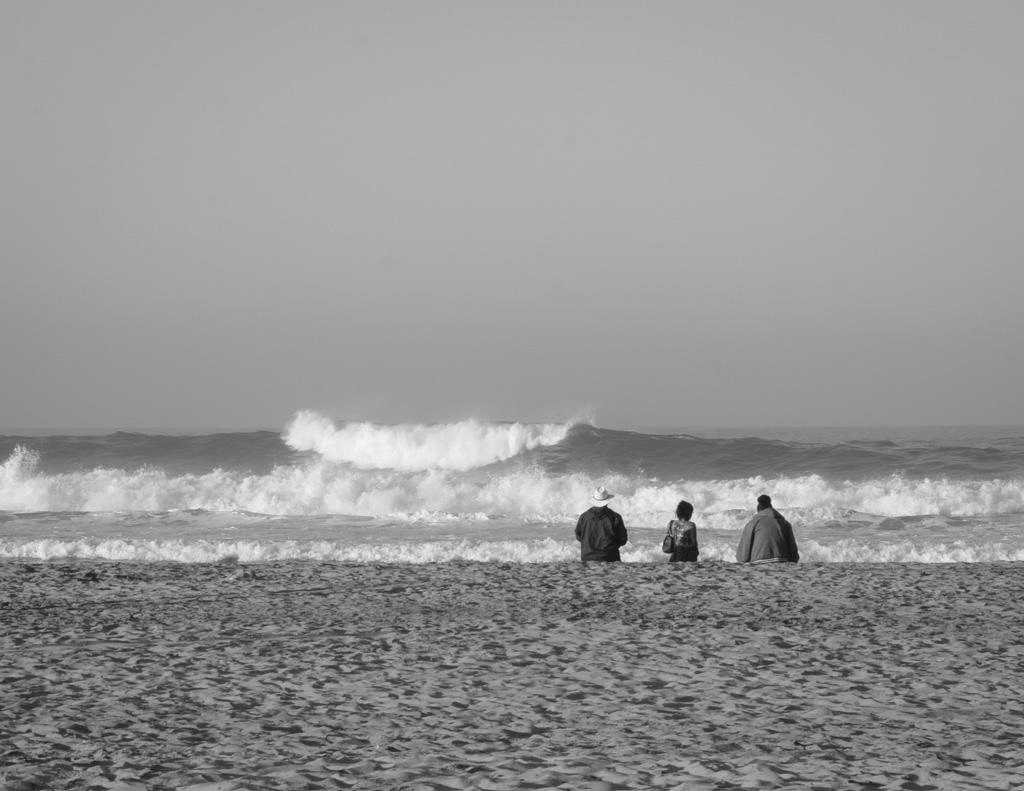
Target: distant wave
469,445
460,446
681,456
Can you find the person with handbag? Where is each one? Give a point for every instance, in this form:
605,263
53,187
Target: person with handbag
681,538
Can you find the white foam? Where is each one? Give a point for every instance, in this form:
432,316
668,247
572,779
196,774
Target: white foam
640,550
530,494
464,445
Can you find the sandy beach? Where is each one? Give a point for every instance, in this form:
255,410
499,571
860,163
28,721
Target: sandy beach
302,675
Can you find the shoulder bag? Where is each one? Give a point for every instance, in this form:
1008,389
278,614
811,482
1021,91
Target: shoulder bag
668,544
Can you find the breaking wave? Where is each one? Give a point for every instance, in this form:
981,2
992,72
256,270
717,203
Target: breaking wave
510,492
460,446
322,487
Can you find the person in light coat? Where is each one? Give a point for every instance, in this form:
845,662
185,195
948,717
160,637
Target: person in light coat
768,537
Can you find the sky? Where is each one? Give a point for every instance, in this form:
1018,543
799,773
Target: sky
214,215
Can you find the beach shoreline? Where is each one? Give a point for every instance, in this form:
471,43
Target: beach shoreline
501,675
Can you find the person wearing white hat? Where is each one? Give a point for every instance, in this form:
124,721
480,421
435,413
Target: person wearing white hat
600,530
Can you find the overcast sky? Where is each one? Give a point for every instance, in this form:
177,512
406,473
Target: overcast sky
642,213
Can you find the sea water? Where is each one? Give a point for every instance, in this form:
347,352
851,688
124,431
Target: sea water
509,492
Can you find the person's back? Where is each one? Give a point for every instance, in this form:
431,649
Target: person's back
684,535
768,537
600,530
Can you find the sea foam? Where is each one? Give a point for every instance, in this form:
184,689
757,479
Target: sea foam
642,549
323,487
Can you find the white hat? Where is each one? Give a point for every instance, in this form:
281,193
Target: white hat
602,496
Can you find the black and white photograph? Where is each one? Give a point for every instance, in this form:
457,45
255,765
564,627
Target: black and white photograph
589,395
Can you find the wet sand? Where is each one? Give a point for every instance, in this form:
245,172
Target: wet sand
508,676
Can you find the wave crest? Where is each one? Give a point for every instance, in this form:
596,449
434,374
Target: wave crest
457,447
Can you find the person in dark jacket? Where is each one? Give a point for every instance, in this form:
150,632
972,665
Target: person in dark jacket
768,537
600,530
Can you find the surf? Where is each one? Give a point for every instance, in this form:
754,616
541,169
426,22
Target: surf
460,446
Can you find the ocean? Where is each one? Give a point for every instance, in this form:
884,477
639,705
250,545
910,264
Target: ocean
507,492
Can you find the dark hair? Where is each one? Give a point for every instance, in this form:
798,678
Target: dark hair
764,501
684,511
